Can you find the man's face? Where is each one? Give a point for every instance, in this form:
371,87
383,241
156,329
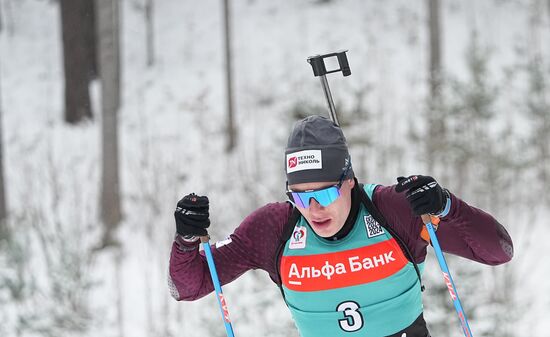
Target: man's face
326,221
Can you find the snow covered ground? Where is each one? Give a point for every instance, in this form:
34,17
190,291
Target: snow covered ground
172,143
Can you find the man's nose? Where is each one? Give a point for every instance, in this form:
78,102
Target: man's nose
314,205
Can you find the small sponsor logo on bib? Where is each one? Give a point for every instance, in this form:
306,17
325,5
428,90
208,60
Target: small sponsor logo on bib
298,238
373,228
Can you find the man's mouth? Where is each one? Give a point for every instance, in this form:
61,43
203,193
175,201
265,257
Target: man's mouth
320,223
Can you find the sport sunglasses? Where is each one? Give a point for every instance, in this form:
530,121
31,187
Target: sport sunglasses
324,196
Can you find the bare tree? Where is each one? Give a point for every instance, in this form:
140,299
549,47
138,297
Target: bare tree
77,23
3,204
107,14
231,128
1,20
436,119
7,17
149,28
435,47
88,21
4,19
538,103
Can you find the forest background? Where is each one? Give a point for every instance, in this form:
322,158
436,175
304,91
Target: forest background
113,110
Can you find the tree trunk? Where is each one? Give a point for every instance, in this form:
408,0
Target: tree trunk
119,291
149,27
435,48
436,123
78,57
88,22
4,233
1,19
6,16
107,15
231,129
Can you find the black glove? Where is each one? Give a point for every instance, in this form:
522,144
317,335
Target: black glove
423,193
192,215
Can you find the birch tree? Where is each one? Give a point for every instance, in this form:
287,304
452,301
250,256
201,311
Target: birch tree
149,31
230,127
107,14
1,19
435,47
435,143
4,233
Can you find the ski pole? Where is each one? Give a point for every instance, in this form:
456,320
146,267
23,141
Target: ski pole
319,70
430,222
217,286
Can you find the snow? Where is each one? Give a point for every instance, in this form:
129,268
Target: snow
172,142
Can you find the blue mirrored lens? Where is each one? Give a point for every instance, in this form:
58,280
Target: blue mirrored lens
324,197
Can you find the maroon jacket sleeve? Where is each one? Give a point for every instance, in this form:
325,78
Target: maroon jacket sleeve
465,231
252,245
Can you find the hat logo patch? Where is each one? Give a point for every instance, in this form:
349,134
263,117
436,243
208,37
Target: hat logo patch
292,162
304,160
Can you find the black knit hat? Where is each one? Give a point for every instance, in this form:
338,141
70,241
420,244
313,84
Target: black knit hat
316,152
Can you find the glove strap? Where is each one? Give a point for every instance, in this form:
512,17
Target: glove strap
190,238
447,207
185,243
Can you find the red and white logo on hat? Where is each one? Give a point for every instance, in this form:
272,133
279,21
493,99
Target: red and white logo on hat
292,162
304,160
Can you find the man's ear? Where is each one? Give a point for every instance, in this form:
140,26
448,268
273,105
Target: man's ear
351,183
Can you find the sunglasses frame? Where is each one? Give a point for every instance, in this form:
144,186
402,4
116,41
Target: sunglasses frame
297,199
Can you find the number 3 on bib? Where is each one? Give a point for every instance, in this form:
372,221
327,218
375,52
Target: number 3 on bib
353,320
